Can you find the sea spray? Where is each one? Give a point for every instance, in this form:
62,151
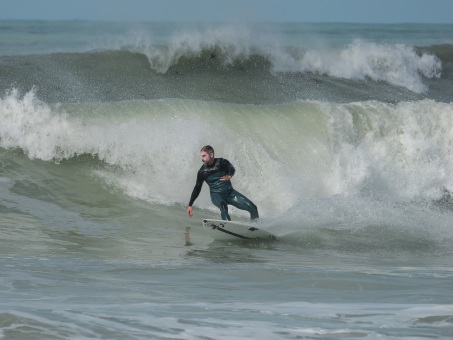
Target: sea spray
401,150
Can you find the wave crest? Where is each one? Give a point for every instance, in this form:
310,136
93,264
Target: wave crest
30,125
370,148
396,64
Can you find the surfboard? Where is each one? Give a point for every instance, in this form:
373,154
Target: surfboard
229,230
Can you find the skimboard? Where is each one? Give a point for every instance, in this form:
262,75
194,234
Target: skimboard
228,230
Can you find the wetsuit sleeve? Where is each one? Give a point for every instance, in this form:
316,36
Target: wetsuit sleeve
196,190
227,167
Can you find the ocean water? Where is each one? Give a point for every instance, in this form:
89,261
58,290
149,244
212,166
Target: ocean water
341,134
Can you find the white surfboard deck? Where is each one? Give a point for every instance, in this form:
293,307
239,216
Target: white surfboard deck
229,230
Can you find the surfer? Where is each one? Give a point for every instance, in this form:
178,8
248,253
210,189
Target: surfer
217,172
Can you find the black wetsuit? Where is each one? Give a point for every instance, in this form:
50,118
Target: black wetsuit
222,192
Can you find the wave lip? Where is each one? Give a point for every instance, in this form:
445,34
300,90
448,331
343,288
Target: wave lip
398,65
30,125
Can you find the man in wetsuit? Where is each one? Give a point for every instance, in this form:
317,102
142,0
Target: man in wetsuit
217,172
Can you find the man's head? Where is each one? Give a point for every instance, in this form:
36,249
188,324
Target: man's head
207,154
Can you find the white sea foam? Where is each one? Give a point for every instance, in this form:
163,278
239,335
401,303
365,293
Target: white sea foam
226,320
402,150
30,125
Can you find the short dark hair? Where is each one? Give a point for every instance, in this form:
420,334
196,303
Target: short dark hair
207,148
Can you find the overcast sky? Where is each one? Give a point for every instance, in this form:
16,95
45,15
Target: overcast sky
360,11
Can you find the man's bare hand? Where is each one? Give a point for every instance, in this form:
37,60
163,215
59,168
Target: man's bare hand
189,211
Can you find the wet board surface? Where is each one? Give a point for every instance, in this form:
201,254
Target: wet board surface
230,230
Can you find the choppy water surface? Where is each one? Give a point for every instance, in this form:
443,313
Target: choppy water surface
341,134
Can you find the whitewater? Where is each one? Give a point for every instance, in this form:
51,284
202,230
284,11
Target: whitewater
341,134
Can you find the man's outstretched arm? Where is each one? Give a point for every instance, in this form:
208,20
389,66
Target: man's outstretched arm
196,191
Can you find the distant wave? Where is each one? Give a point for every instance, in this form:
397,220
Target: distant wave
234,70
396,64
104,62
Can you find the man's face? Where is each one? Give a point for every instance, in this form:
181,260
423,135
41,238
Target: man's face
207,157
